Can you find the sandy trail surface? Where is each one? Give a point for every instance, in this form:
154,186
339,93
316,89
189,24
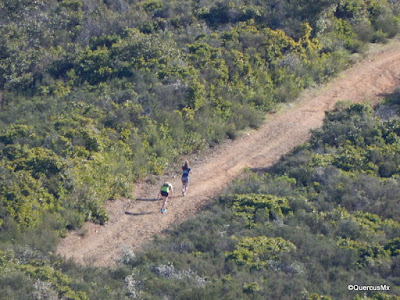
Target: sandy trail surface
134,222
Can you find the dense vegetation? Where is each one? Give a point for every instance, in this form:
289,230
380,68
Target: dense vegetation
95,94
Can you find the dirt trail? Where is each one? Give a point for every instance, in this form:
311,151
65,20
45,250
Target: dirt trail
134,222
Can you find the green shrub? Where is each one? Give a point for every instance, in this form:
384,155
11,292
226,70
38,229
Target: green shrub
367,253
393,246
257,208
258,252
380,37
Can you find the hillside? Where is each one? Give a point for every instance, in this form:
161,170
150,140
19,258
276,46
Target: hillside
135,221
95,94
100,99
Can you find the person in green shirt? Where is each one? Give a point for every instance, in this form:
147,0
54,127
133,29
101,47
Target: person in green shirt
166,191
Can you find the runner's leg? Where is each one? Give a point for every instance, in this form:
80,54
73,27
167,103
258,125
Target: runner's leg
183,187
185,182
165,199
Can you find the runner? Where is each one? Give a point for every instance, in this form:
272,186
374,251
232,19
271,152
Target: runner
166,189
185,177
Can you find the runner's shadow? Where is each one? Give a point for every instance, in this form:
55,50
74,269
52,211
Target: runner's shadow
148,199
138,214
